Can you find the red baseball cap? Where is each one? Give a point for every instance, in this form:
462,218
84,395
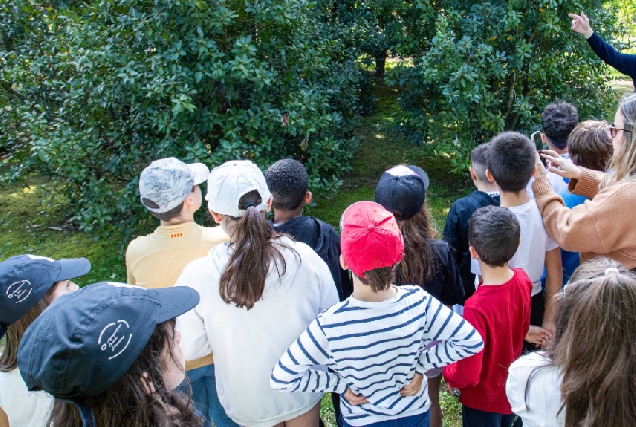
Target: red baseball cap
370,238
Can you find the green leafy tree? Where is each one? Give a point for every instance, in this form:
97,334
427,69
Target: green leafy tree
97,90
494,66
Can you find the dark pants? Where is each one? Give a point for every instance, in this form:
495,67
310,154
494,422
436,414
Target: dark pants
476,418
421,420
205,398
537,309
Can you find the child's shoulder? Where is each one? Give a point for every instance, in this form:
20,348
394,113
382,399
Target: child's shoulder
475,200
214,235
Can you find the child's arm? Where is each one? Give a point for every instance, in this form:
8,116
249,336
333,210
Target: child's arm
295,369
457,338
451,232
467,371
553,285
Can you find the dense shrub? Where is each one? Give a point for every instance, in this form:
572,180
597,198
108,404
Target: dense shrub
493,66
97,90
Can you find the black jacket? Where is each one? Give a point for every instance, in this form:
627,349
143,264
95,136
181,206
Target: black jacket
323,239
456,233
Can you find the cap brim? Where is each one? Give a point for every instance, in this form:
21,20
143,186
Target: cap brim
175,301
71,268
199,171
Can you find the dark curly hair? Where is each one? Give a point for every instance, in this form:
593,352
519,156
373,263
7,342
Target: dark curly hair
288,182
511,161
559,119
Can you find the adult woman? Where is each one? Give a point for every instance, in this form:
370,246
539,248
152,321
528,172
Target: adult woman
586,377
110,354
602,225
258,293
623,62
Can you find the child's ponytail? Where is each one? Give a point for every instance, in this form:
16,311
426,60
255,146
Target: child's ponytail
256,245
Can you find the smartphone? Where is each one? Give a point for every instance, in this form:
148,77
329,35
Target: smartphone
538,143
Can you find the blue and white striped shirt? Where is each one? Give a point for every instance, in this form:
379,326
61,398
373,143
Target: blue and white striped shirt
375,348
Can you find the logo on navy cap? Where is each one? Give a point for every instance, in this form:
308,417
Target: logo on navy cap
115,338
19,290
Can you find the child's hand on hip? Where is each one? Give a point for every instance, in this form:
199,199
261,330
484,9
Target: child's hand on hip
354,399
412,388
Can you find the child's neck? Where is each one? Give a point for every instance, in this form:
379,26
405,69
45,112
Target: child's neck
510,200
493,276
177,221
486,187
363,292
281,216
553,148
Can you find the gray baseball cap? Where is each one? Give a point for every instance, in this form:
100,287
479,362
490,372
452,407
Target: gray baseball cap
167,182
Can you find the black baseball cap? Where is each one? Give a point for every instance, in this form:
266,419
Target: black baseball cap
24,279
402,190
86,340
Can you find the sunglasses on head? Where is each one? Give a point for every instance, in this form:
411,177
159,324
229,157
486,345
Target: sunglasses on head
613,129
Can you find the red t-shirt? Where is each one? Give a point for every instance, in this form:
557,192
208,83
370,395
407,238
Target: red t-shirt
501,314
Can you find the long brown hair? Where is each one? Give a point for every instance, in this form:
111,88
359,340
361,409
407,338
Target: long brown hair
624,163
127,404
13,336
418,264
256,246
596,352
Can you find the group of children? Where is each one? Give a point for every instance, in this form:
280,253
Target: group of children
265,316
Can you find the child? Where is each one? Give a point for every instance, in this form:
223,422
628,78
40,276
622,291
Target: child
169,189
500,310
427,262
456,228
511,164
28,285
258,293
534,381
288,182
373,342
590,146
558,119
109,353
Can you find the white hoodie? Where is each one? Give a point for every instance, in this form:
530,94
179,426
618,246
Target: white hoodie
248,343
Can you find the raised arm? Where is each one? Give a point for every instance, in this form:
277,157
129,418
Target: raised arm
297,368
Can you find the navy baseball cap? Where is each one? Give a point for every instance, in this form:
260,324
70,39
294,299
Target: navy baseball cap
402,190
24,279
86,340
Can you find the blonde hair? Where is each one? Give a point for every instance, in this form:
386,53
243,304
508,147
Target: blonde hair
624,163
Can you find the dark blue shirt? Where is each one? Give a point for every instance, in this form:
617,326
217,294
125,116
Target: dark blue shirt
623,62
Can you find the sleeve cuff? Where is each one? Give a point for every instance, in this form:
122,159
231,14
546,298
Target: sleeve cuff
586,185
541,186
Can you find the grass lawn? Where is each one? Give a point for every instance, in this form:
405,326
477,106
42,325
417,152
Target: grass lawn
33,223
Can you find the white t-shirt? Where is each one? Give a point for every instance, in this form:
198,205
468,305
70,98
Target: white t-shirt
248,343
539,403
557,182
534,243
24,408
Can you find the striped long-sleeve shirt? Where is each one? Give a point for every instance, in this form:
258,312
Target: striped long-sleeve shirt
375,348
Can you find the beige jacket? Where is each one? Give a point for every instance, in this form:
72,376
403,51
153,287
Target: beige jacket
602,226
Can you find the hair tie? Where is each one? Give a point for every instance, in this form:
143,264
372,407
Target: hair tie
611,270
250,204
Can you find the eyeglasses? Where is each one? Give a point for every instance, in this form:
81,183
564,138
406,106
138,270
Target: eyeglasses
613,129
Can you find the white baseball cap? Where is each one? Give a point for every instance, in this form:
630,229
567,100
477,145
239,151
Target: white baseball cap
167,182
230,181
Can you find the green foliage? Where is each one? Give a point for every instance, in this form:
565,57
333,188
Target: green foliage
98,90
494,66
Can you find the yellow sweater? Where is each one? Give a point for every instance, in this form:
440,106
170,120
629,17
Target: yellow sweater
157,260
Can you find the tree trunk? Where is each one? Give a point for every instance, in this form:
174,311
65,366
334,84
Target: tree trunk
380,60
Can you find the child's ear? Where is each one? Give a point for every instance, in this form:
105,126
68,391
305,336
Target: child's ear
308,198
473,253
217,217
343,265
544,138
534,171
489,176
473,175
269,203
